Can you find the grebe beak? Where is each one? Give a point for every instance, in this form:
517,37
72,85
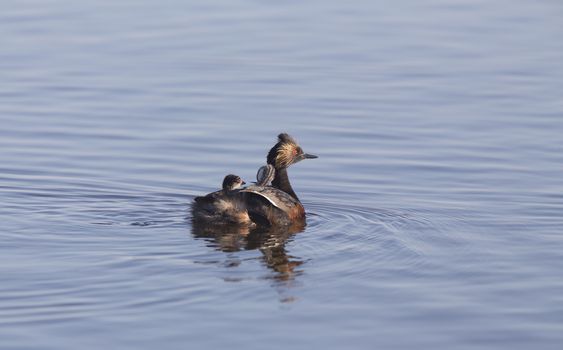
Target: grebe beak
304,156
243,183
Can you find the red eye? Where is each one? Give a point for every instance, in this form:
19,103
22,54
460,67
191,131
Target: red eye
294,152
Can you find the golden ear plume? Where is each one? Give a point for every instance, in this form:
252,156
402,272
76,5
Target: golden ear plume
285,154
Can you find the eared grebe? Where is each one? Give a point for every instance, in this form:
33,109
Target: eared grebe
277,204
224,206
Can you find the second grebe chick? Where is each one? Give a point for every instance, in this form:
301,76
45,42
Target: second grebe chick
224,206
265,175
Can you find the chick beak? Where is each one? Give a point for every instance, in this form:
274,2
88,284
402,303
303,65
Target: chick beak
309,156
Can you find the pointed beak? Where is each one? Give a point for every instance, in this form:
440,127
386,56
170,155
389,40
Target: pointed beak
304,156
243,183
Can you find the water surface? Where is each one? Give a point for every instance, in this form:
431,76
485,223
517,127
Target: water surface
435,208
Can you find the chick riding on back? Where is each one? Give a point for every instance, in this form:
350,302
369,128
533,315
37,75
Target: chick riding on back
223,206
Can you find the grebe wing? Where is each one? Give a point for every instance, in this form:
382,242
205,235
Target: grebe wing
208,197
208,201
276,197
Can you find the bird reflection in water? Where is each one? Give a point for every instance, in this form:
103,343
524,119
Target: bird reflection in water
270,241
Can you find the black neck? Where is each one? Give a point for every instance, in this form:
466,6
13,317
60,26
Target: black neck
281,181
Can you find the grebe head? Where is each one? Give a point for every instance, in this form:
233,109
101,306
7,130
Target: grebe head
286,152
232,182
265,175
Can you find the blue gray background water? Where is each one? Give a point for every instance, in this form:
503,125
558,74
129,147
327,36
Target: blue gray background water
435,209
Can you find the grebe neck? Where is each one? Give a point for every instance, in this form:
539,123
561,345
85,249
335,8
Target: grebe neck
281,181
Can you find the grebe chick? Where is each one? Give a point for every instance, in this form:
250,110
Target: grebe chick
277,204
265,175
232,182
224,206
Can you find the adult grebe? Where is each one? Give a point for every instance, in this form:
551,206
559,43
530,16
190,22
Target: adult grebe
277,204
224,206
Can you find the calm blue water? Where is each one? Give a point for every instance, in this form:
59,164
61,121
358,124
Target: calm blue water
435,209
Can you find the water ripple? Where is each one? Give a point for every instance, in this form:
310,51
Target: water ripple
389,239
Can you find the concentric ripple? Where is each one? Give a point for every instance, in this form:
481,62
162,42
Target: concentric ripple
349,237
